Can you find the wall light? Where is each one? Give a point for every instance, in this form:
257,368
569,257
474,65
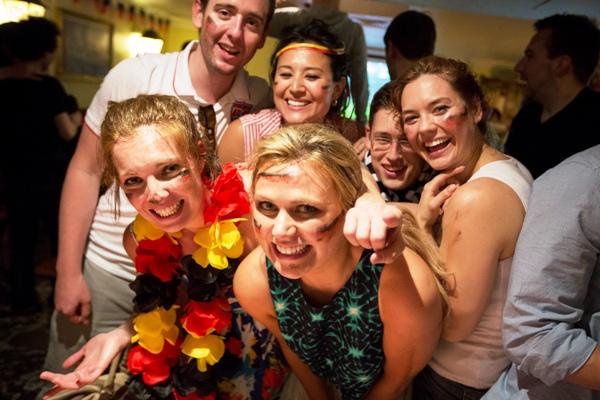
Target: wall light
17,10
144,43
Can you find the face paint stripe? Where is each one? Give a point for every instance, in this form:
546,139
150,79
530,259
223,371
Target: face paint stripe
327,227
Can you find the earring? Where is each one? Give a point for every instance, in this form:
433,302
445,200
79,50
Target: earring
335,102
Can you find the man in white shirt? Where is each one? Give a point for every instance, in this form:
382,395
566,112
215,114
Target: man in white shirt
207,72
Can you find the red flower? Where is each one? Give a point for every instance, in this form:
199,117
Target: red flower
202,317
193,396
155,368
273,379
229,198
160,258
234,346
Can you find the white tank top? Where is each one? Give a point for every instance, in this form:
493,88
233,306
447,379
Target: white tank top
479,360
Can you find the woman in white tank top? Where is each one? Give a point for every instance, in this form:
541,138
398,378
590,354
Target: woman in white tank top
479,198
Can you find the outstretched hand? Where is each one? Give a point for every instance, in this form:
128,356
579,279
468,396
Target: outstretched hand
373,224
94,357
435,195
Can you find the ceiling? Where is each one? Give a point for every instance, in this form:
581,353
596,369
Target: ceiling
489,31
522,9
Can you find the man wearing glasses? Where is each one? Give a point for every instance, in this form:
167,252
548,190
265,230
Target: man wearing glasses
207,76
398,170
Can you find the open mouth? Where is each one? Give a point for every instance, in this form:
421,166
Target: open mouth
296,103
394,172
229,50
168,211
436,145
290,251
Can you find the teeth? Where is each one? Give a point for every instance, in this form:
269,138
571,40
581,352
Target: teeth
289,251
168,211
231,51
297,103
396,169
435,142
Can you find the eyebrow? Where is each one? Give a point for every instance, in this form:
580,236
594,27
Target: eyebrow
429,104
268,174
233,7
309,68
158,165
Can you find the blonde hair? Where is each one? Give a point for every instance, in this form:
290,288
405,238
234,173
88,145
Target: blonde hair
320,145
419,241
335,159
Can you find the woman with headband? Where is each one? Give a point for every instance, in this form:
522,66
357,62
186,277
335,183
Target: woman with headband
309,77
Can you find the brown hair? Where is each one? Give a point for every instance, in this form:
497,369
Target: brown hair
172,118
576,36
382,100
419,241
456,73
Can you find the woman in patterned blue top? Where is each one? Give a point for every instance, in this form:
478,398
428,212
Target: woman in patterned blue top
345,325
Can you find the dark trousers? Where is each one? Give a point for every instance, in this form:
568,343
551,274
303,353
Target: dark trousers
29,208
429,385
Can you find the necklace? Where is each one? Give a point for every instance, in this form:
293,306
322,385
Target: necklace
178,348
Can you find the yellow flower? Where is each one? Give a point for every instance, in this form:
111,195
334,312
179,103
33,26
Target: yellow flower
218,242
154,327
206,350
144,230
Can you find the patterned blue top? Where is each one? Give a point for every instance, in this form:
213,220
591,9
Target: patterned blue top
341,341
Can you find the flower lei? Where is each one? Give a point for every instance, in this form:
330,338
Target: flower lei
161,360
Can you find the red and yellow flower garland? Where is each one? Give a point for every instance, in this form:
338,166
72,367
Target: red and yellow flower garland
164,340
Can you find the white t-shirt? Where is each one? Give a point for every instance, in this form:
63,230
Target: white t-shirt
166,74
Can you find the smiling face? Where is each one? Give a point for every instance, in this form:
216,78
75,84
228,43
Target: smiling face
396,164
438,123
303,86
297,218
159,181
535,67
231,32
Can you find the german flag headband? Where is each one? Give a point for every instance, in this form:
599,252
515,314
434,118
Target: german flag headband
312,46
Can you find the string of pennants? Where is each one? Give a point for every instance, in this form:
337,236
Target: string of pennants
130,12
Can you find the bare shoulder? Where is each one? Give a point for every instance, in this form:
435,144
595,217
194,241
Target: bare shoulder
485,210
252,272
251,284
231,146
482,192
484,195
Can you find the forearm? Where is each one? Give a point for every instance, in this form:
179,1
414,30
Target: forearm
588,375
66,126
77,209
78,204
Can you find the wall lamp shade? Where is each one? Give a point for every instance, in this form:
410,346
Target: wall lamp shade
148,42
17,10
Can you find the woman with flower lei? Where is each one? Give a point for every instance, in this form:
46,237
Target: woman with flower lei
191,339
